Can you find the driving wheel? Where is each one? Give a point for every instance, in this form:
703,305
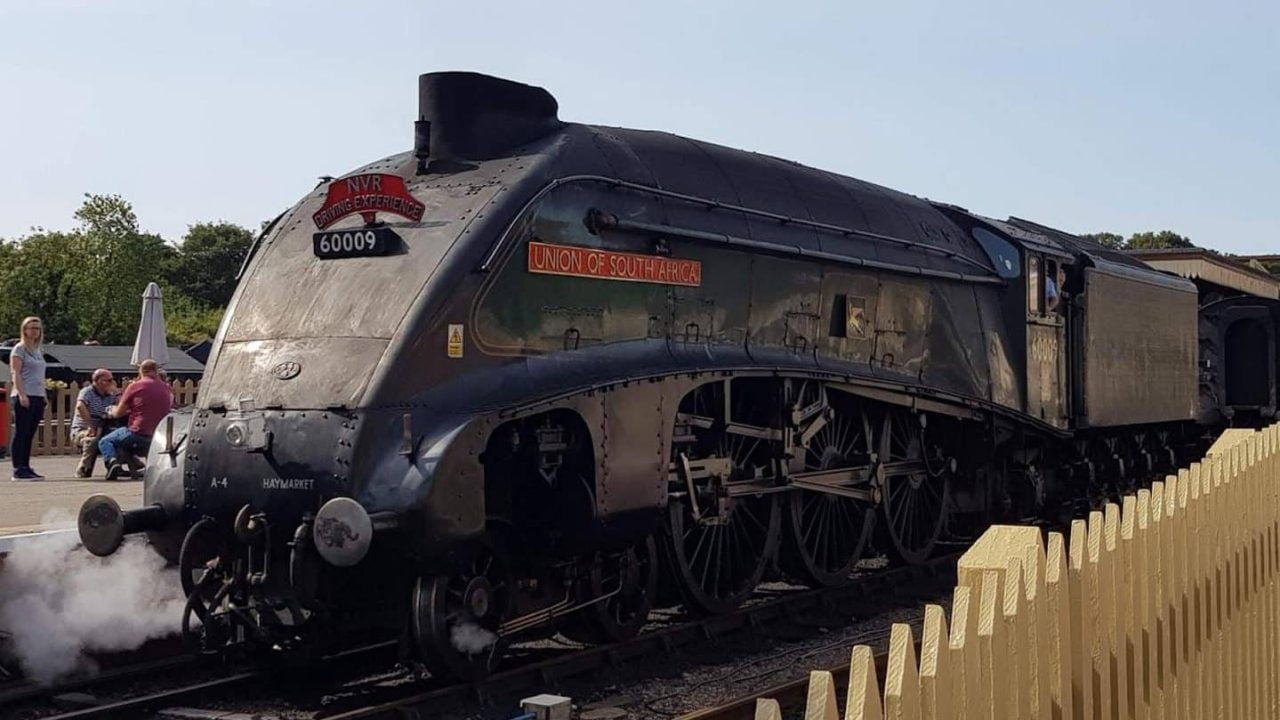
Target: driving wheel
915,490
717,563
827,534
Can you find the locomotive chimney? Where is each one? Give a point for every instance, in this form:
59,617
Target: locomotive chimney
468,116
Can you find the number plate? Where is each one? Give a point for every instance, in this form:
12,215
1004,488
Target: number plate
354,243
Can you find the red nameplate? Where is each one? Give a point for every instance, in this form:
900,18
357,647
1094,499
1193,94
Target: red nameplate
610,265
367,195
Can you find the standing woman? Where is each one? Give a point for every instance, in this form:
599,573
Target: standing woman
26,364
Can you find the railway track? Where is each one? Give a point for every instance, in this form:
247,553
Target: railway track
133,707
195,677
791,695
20,691
867,596
540,670
154,657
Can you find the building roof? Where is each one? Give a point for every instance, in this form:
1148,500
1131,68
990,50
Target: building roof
1207,265
116,358
200,351
1260,258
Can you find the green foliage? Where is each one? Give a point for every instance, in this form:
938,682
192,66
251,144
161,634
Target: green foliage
88,283
1111,240
1162,239
35,280
208,260
107,214
114,261
1141,241
188,321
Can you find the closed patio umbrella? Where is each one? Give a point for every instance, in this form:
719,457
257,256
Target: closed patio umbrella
151,344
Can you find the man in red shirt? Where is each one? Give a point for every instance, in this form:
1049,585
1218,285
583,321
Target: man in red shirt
145,402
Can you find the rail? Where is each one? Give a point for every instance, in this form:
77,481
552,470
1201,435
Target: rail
202,676
876,591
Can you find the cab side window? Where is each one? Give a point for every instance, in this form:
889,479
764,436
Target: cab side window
1035,288
1052,293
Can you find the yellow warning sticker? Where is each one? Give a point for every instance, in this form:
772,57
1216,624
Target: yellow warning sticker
455,341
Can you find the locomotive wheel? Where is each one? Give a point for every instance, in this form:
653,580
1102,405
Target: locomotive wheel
195,557
716,547
913,504
633,574
204,582
826,535
717,564
456,618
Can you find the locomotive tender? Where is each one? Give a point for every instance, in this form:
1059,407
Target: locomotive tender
533,373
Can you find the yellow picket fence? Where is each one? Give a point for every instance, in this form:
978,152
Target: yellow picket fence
53,436
1165,606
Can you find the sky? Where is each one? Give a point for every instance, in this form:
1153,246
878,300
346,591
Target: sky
1088,116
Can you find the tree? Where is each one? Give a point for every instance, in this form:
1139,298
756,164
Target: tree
207,261
113,262
88,283
1107,239
35,279
188,321
1154,240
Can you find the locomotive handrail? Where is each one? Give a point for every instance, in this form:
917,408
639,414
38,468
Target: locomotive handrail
710,204
611,221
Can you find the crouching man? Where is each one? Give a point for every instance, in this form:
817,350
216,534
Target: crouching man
86,428
145,403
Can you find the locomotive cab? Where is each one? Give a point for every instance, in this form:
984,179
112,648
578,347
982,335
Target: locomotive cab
1046,349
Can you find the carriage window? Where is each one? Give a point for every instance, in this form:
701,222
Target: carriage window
1003,255
1035,291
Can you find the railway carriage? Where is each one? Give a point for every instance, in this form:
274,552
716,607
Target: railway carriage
531,375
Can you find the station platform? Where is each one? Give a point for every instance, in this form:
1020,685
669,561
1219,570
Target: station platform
52,503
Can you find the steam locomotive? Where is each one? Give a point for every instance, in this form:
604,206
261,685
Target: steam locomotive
532,374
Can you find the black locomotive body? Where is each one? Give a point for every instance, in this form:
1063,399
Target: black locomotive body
596,364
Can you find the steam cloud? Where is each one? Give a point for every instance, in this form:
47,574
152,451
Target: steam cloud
58,602
471,639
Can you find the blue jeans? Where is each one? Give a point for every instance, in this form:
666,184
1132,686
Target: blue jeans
122,439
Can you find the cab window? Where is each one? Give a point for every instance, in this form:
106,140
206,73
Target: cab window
1052,293
1035,289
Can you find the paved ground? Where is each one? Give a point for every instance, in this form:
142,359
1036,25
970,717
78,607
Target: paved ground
25,506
